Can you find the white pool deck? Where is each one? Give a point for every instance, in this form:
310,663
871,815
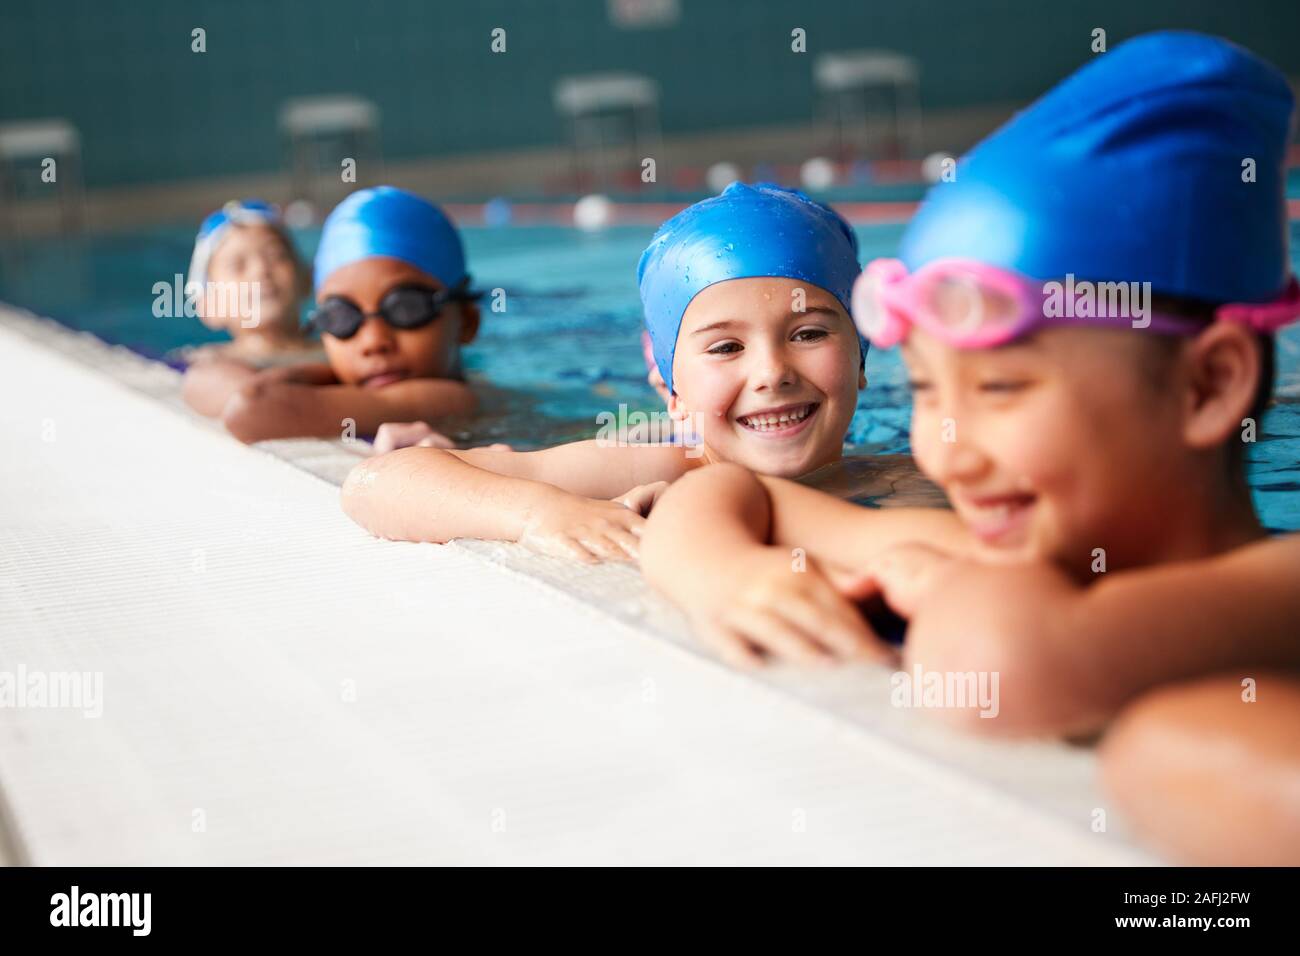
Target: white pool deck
280,688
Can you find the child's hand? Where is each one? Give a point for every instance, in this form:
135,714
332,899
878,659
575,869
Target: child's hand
394,435
909,575
643,497
584,529
955,608
777,606
968,617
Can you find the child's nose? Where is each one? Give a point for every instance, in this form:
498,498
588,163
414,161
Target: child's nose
953,456
375,335
774,370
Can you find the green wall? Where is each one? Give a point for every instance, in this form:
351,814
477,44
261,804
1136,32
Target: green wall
149,109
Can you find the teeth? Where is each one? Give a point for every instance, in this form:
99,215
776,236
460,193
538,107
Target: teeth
766,422
998,512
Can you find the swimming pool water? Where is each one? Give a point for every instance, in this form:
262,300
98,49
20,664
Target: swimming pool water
568,338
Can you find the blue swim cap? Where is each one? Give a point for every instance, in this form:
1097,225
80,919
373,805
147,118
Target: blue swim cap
747,232
1130,170
387,221
237,212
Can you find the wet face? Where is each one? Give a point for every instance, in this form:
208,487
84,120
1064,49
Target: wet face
767,372
1053,446
379,354
256,256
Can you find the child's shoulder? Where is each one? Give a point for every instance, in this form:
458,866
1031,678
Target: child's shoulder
1275,552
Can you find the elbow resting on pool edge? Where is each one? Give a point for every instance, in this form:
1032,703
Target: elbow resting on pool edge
247,413
369,507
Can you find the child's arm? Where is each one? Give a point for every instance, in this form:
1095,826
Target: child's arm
758,564
281,406
1208,770
209,384
557,499
1182,620
1068,655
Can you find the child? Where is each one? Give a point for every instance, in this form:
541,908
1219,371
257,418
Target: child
246,242
394,308
1103,539
746,302
246,280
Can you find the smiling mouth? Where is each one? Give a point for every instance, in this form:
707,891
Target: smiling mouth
779,422
998,519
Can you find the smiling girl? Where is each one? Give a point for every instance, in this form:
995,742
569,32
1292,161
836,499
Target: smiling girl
1102,539
746,303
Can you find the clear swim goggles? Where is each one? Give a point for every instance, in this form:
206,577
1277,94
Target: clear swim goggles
972,305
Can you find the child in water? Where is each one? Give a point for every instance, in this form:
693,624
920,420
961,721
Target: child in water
246,280
746,303
1103,540
393,306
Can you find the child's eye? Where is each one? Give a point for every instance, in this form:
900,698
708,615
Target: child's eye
809,335
1003,387
725,348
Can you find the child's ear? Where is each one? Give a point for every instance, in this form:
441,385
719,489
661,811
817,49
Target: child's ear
656,381
1223,370
677,409
469,319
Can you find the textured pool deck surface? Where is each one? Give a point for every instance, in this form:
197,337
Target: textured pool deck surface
280,688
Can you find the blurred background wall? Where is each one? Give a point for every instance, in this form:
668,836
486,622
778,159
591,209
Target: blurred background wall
163,128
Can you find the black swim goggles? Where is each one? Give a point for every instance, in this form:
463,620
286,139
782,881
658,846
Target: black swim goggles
405,307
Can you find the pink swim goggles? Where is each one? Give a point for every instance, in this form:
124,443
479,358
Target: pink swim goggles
972,305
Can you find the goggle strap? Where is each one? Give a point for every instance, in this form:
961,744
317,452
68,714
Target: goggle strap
1265,317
